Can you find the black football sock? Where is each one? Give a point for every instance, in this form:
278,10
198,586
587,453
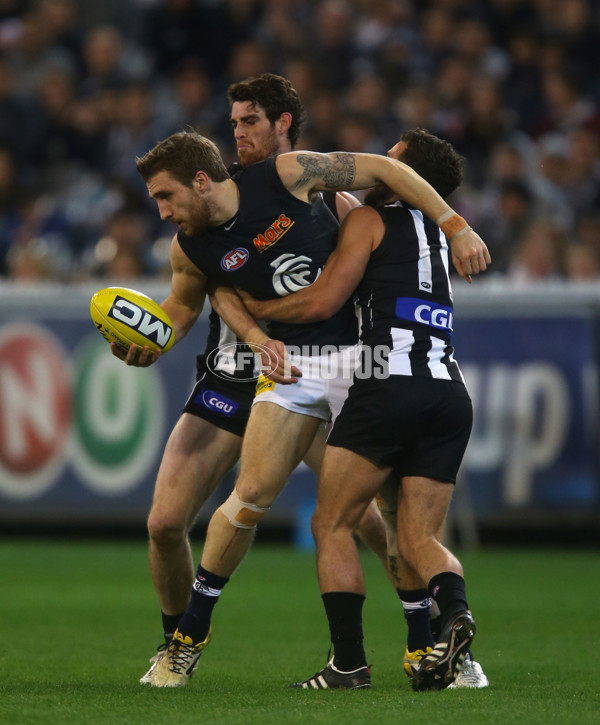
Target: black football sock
417,606
344,612
435,624
170,622
448,590
206,590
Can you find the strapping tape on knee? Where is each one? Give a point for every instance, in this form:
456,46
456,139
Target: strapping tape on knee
241,514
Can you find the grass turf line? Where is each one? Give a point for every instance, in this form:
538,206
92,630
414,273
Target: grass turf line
80,620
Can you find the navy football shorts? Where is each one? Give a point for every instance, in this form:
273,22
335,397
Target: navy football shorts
223,402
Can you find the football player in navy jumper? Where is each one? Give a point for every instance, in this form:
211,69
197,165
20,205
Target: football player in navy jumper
266,116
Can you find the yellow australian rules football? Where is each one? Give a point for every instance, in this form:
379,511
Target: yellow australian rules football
126,316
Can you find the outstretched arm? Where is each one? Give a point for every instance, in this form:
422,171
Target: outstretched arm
360,234
305,172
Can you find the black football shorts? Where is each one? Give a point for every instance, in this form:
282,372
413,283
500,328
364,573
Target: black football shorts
418,426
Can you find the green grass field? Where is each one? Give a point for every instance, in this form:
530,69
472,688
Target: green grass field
80,620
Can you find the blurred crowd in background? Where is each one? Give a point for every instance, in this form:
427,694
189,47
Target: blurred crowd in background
87,86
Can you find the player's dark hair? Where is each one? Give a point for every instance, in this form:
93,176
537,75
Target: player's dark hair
182,155
434,159
275,95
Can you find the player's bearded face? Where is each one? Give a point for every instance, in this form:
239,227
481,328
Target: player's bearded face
180,204
255,135
262,146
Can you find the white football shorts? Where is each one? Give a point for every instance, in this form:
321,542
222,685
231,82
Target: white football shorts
322,389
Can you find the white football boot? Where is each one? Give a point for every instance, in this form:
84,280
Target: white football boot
174,666
471,675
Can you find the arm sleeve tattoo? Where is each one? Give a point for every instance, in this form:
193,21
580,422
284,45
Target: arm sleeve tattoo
337,170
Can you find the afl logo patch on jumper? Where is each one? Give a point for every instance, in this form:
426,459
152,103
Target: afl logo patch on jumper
234,259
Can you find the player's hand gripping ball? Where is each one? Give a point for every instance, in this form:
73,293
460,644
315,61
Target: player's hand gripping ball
125,316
